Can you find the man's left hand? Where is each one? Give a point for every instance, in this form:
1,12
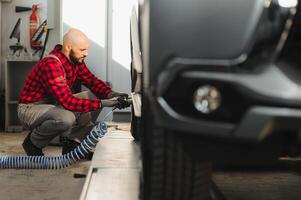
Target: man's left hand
122,103
117,94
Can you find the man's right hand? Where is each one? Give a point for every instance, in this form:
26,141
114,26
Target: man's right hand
109,102
117,94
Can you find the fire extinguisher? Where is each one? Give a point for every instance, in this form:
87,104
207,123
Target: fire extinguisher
34,22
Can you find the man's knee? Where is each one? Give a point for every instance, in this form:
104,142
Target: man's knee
65,120
61,119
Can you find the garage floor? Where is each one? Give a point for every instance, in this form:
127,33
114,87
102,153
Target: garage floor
41,184
257,185
37,184
242,184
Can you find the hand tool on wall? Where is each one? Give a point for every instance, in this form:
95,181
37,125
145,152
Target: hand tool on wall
16,34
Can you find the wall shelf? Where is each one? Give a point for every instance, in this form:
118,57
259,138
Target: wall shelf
16,72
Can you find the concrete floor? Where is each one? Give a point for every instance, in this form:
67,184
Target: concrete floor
242,184
41,184
257,185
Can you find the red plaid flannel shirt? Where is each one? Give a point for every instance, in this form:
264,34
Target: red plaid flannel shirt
51,78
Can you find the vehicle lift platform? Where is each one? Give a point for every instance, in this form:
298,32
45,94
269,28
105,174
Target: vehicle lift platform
115,169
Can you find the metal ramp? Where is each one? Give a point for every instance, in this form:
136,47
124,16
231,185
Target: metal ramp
115,169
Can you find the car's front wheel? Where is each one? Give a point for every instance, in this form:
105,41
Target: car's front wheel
170,172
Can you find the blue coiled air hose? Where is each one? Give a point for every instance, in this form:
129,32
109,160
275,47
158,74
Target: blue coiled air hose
58,162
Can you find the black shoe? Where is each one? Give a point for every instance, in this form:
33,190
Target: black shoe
69,145
30,148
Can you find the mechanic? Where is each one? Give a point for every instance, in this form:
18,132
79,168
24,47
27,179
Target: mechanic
47,106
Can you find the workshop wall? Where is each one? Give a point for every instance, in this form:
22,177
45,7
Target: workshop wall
8,21
1,79
107,25
89,17
2,113
55,27
119,59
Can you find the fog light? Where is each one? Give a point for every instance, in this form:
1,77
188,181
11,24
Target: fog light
207,99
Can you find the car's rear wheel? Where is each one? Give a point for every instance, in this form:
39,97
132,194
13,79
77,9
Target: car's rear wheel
135,121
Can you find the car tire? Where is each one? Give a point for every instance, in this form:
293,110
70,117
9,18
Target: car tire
135,121
169,172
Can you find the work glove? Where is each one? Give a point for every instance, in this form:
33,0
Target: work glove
122,103
109,102
119,103
117,94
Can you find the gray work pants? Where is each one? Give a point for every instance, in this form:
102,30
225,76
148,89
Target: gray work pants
46,121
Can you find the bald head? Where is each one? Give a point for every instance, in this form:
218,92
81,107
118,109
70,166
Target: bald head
74,37
75,45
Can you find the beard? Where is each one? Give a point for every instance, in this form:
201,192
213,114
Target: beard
74,59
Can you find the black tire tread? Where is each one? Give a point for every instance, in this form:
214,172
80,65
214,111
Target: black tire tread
174,175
